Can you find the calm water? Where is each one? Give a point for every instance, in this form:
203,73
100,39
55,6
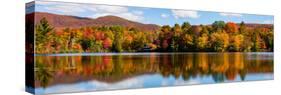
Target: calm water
58,73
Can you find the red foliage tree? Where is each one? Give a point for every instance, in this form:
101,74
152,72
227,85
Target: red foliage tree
231,27
107,42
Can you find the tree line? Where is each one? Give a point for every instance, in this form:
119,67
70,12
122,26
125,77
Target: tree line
218,37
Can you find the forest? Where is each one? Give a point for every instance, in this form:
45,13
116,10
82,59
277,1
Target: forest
219,36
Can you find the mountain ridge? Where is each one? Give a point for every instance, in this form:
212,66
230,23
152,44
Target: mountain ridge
63,21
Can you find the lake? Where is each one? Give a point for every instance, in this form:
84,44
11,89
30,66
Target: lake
56,73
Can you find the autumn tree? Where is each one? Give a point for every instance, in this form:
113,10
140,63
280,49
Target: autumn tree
237,42
41,34
107,43
139,40
256,42
97,46
218,26
70,39
231,27
185,26
187,41
118,41
219,41
128,41
86,44
86,41
242,28
204,30
202,41
177,31
269,40
165,37
184,37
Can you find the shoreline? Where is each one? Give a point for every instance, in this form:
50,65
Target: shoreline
141,53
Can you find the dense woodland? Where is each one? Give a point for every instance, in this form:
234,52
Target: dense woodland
218,37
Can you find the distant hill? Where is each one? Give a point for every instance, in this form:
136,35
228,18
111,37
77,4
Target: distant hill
62,21
254,25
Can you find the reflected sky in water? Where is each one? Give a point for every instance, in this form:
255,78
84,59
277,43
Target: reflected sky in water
90,72
154,80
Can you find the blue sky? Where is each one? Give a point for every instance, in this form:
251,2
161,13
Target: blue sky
146,15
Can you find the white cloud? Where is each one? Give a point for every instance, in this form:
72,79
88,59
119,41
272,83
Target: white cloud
138,12
136,82
107,9
62,8
231,14
93,10
164,15
128,83
123,12
189,82
185,14
66,9
268,22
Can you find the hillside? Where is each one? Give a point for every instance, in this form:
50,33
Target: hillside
62,21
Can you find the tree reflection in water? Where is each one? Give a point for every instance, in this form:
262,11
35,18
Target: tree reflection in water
43,75
53,70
